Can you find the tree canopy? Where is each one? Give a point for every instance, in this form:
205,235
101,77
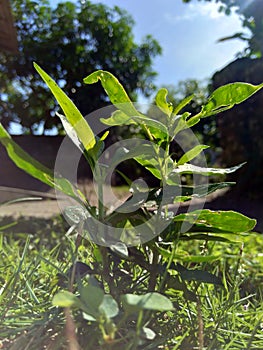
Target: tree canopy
251,14
70,41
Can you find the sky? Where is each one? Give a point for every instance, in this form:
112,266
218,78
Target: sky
187,33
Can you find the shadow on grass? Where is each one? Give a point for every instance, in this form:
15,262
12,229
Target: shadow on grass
33,225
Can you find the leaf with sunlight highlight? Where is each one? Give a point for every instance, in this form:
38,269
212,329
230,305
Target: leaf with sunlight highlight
73,115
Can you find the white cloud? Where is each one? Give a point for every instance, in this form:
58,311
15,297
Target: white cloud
194,11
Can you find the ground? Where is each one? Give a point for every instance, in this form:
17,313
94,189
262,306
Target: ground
48,204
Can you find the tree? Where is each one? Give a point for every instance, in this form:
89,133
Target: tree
70,42
240,129
251,14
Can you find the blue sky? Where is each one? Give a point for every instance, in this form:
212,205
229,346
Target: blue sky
187,34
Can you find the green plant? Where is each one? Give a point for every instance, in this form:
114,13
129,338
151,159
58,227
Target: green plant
137,267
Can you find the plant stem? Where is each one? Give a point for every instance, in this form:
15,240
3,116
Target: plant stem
154,270
70,331
70,328
163,280
200,325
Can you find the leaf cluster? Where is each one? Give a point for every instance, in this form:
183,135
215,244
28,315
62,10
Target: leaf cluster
136,262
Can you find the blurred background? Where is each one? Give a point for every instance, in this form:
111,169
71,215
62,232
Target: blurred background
187,46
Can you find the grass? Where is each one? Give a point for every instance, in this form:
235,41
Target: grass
36,255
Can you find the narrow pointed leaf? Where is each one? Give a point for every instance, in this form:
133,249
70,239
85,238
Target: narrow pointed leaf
114,90
118,118
182,104
227,221
194,152
225,97
73,115
70,131
34,168
120,249
207,237
194,169
187,258
198,275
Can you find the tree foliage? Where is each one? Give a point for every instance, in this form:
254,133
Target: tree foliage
251,13
71,40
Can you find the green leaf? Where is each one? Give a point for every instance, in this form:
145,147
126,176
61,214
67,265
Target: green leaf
194,169
180,123
114,90
118,118
205,237
175,283
65,299
182,104
99,305
198,275
197,258
166,254
227,221
120,249
91,298
152,157
149,301
204,190
150,164
109,307
88,317
156,128
144,153
71,112
121,100
225,97
70,131
34,168
173,193
194,120
161,101
124,153
194,152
